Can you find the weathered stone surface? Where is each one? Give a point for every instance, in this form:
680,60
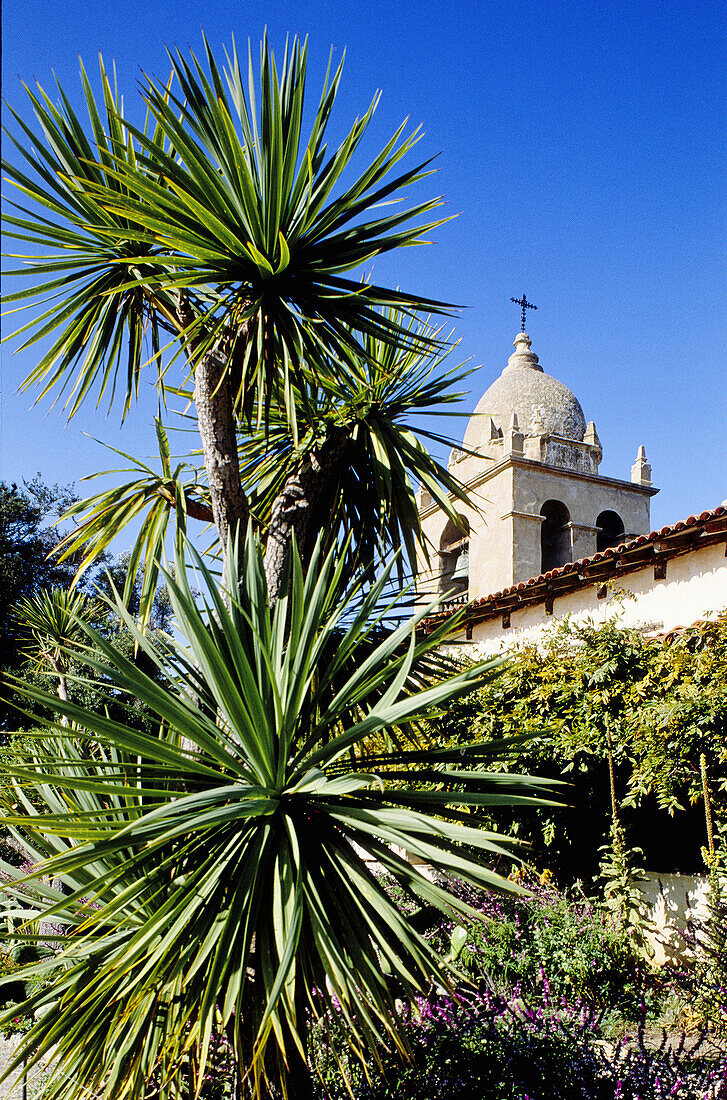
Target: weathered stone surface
641,470
543,404
12,1089
528,451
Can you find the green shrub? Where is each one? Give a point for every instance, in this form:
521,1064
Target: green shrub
557,942
487,1049
660,703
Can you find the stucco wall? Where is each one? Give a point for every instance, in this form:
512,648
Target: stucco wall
695,585
673,902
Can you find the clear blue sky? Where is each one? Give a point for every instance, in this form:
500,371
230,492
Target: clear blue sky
581,146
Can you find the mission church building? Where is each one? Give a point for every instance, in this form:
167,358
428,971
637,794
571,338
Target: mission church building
545,522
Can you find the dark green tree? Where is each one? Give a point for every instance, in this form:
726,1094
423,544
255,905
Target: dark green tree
27,565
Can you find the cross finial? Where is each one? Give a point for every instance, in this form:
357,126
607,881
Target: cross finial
525,305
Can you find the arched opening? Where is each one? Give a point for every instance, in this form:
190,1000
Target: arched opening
555,538
454,558
610,530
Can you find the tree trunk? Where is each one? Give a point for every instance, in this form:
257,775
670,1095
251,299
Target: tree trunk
294,511
219,445
218,431
62,689
300,1079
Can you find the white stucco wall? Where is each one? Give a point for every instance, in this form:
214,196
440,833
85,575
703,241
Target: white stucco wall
673,903
695,587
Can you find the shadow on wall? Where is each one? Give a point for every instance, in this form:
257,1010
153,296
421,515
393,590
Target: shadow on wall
611,530
555,536
454,557
673,904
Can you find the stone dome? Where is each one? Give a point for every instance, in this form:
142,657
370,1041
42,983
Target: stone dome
543,405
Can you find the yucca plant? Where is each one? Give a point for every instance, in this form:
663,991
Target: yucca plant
350,474
153,501
218,877
356,465
223,231
52,623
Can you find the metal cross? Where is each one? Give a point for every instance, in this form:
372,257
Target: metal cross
525,305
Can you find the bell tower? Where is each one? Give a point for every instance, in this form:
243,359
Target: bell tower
531,464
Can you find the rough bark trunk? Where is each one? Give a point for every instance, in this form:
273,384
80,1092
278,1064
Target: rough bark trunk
62,689
294,511
219,445
218,432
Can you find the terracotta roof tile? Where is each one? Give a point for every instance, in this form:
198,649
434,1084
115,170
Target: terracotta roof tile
623,550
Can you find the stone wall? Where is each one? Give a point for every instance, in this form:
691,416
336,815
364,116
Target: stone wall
505,520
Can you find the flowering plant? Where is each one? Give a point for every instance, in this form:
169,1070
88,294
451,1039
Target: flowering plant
484,1047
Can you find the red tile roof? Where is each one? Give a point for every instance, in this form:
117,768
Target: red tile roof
683,537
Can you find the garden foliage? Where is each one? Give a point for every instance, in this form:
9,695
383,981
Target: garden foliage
661,703
554,1003
27,537
206,871
213,874
484,1048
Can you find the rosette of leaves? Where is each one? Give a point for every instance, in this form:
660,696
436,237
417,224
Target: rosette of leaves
217,876
224,233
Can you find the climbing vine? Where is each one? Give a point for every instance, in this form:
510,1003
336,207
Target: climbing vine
637,725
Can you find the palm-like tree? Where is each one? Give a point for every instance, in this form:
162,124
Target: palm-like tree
151,499
53,622
226,231
219,875
349,473
355,467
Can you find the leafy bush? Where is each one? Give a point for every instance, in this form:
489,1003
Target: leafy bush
12,992
619,879
557,944
489,1049
553,984
660,703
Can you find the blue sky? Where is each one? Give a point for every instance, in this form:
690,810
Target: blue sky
581,148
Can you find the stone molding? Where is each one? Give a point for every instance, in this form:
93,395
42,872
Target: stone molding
532,464
523,515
